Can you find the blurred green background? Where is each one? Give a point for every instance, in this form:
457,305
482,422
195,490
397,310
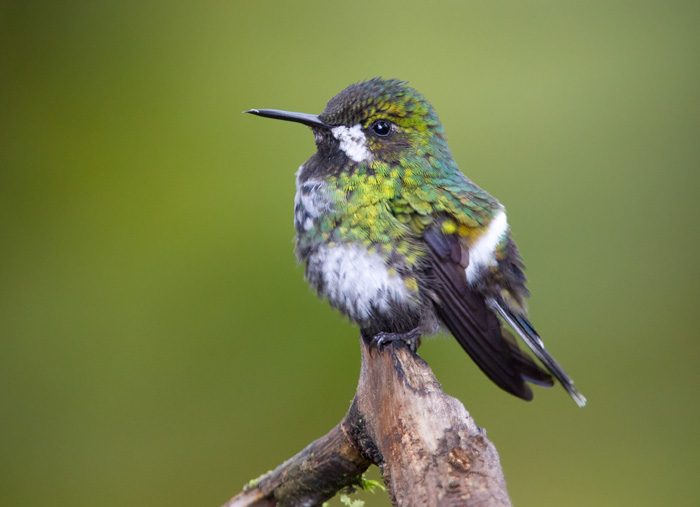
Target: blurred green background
158,345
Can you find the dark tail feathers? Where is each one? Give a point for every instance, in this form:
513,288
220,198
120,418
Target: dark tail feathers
525,330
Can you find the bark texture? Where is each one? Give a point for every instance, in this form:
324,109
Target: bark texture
427,446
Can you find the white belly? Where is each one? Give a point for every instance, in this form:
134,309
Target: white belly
355,281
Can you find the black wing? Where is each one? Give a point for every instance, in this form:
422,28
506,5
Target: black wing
473,322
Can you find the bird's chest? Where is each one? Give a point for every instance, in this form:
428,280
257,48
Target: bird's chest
340,266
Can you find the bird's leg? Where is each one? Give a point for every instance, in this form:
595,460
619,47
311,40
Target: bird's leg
410,338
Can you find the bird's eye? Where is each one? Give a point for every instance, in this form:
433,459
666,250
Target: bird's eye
381,127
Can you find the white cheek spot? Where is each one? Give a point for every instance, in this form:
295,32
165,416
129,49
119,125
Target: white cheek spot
353,142
481,254
357,282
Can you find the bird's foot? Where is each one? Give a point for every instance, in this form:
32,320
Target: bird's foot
410,338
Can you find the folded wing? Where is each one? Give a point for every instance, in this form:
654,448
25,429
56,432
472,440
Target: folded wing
473,322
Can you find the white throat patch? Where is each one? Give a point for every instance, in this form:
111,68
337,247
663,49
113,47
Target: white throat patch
352,142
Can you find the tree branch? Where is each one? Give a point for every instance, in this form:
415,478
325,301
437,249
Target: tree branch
426,444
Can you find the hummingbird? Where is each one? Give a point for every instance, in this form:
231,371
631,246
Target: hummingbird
395,237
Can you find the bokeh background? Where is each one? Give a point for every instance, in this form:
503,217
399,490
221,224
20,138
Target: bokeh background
158,345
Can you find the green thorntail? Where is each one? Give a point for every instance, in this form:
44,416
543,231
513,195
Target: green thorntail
399,240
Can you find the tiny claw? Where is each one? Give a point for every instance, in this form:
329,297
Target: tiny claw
371,343
413,344
378,341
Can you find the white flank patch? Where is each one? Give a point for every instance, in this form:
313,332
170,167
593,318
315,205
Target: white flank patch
352,142
481,254
356,281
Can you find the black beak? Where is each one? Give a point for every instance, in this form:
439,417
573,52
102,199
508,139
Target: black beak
310,120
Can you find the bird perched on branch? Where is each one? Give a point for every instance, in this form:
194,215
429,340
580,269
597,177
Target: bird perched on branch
398,239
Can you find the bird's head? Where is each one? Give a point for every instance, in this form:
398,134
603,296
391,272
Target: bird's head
382,120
